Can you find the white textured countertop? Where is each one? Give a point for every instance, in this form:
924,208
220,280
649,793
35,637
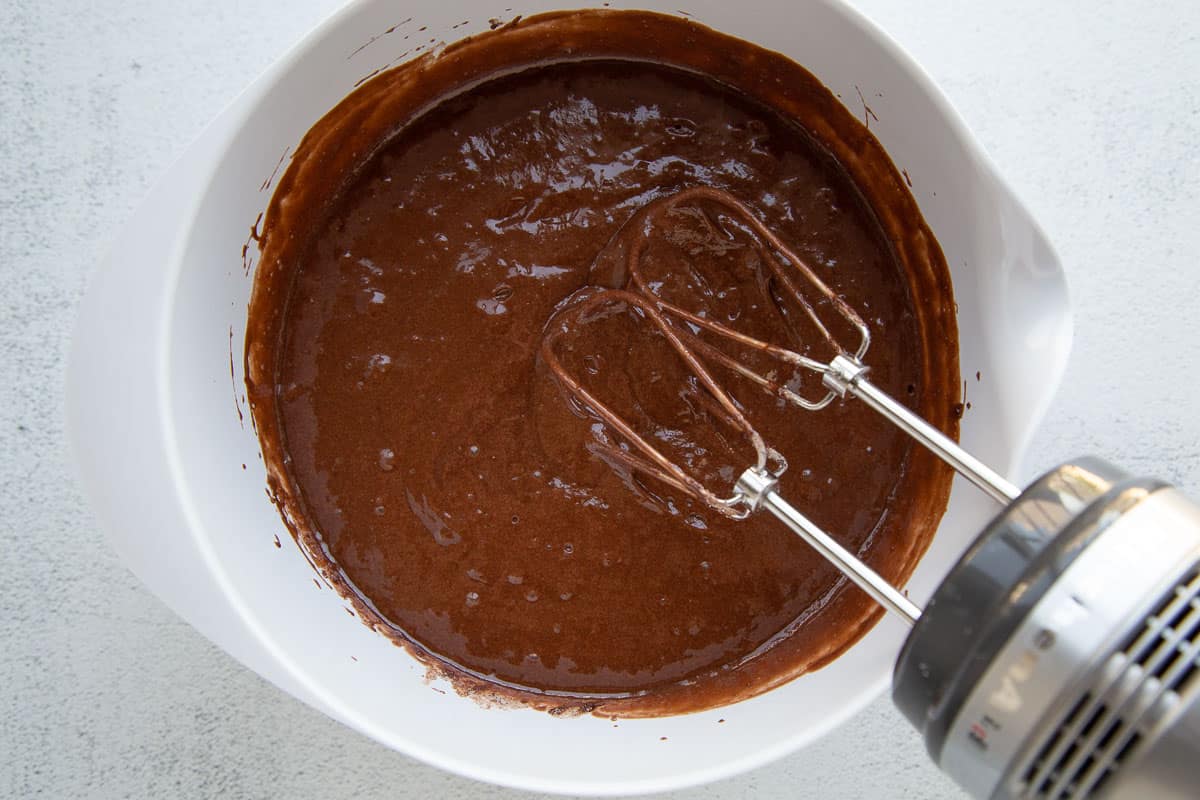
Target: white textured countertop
1091,109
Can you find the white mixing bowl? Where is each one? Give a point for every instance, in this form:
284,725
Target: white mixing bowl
156,366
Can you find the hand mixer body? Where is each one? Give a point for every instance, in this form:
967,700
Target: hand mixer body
1059,657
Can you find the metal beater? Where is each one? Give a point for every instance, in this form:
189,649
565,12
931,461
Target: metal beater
1059,657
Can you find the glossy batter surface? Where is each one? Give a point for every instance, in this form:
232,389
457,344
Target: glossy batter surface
452,486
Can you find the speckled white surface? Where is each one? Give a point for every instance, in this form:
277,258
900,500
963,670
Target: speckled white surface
1091,109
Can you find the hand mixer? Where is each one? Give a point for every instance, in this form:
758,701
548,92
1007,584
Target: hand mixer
1059,656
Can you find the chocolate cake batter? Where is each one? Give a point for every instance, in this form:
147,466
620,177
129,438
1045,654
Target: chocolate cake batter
412,254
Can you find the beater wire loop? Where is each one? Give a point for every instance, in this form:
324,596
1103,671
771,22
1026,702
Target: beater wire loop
683,329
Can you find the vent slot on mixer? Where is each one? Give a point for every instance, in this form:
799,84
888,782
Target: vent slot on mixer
1102,730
